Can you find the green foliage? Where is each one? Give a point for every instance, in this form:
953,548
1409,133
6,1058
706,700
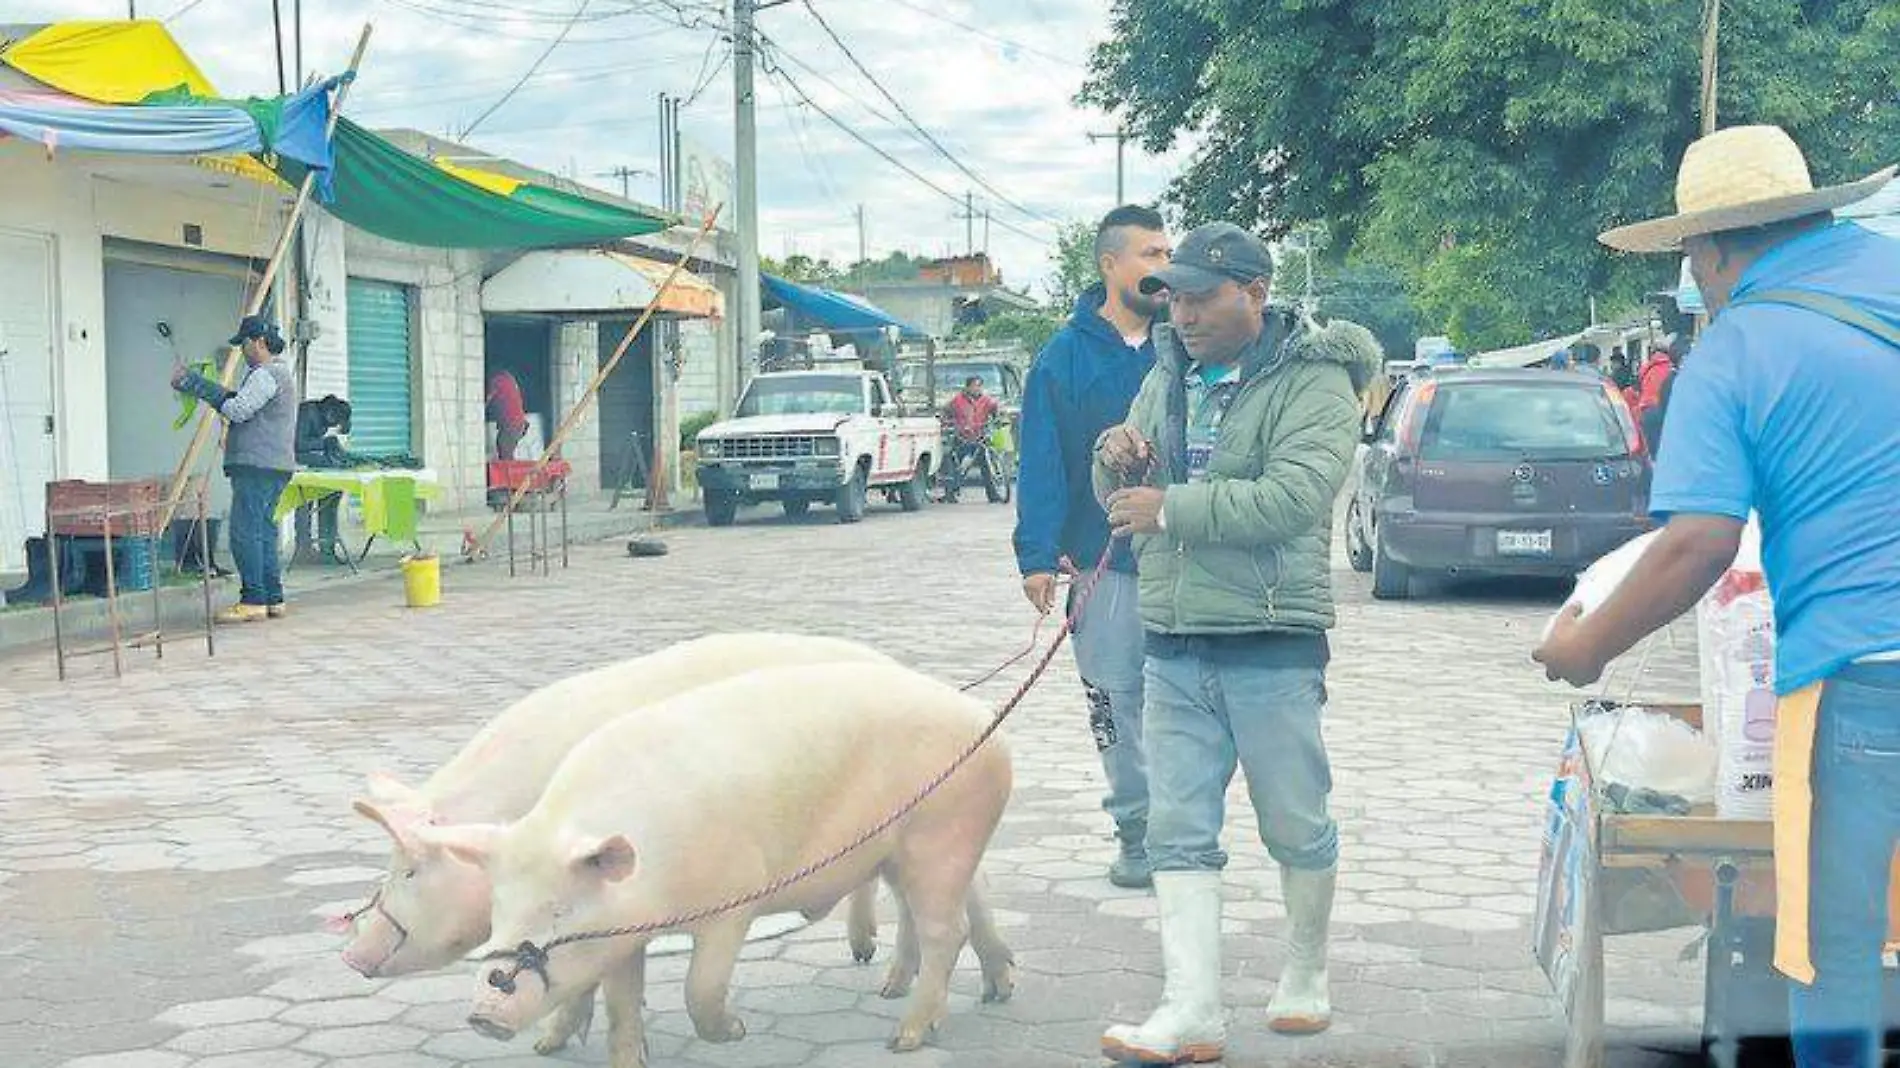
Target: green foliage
692,425
1031,330
1075,268
1478,146
802,269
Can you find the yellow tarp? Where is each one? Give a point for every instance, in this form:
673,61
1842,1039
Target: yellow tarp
499,184
120,62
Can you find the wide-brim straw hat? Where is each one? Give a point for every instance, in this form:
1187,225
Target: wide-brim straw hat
1737,179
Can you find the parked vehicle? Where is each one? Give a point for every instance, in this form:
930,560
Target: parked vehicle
803,437
1496,472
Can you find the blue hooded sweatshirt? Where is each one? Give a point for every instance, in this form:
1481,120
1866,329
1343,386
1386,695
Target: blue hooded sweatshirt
1790,413
1080,385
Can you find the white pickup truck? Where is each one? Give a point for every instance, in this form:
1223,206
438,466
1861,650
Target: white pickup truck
799,437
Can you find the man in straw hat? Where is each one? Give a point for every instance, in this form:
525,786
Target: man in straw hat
1788,409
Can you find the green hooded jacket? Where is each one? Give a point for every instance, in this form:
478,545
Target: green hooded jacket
1249,549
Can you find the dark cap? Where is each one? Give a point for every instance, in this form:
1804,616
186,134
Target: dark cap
256,326
1209,255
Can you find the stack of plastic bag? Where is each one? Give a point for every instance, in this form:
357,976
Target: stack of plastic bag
1650,751
1602,578
1735,630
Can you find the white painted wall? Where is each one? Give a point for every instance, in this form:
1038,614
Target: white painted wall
576,361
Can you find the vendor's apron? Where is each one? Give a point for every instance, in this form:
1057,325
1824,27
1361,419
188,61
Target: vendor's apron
1796,718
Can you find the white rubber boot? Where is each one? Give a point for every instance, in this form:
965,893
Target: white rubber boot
1302,1004
1190,1026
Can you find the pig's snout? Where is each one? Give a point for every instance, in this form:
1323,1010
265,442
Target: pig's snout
489,1027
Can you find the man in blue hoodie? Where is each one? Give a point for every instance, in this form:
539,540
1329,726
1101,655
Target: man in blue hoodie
1081,384
1787,410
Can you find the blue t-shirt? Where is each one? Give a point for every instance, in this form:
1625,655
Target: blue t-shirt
1796,415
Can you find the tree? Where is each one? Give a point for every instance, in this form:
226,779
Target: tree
1075,268
1031,330
802,269
1478,146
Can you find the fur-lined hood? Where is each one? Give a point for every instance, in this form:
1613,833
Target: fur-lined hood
1292,335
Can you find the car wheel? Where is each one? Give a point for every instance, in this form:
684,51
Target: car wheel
796,507
853,495
1358,553
722,507
916,493
1391,580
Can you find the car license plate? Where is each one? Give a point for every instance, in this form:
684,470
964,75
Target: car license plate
1523,543
762,482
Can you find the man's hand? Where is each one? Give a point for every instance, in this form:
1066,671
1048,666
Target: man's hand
1123,448
1568,655
1136,510
1040,588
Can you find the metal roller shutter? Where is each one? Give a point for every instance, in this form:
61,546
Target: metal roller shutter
380,388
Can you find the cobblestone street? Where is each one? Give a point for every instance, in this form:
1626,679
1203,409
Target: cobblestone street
171,840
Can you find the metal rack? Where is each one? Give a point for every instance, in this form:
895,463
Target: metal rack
132,521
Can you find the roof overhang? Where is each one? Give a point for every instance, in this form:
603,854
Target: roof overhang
582,283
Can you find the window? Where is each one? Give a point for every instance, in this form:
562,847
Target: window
1501,421
802,395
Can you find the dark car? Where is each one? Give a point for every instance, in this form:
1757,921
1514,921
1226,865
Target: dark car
1496,472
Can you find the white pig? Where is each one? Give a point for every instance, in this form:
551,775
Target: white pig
702,799
433,908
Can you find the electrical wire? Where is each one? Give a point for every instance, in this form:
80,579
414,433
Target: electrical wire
505,97
181,12
981,32
772,68
707,71
928,137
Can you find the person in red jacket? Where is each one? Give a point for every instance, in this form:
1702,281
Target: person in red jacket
510,413
970,413
1651,392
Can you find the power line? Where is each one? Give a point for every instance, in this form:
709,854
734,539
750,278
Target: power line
505,97
773,68
914,124
981,32
707,72
182,11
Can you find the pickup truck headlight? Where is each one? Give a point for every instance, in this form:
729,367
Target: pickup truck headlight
827,447
709,449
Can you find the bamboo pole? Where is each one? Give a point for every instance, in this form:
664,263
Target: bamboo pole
473,548
181,477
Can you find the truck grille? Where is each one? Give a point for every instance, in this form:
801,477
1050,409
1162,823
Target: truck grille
772,448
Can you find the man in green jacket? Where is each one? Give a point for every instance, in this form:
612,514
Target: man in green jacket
1225,475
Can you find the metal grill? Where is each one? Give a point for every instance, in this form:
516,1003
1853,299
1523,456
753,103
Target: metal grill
773,448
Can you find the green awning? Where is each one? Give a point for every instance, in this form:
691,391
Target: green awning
390,193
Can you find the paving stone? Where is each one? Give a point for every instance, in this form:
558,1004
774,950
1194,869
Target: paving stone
228,1011
236,1038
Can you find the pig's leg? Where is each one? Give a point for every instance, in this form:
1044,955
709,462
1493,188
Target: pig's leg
709,978
625,991
999,964
570,1023
933,891
903,970
862,923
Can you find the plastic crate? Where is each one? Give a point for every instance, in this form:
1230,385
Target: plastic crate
510,474
133,565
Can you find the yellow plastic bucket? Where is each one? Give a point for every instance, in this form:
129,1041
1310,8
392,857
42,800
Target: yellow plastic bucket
422,580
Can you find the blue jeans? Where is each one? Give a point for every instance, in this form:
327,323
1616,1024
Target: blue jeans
1837,1021
1205,714
253,534
1108,655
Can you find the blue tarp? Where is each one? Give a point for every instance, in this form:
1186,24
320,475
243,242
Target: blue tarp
840,312
292,126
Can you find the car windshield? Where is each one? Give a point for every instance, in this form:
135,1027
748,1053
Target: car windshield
951,376
1510,421
802,395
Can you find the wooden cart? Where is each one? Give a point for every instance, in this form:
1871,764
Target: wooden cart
1608,872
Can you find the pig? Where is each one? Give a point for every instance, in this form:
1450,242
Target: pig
433,908
702,799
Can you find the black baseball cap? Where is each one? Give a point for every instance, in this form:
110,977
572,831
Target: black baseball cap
252,327
1209,255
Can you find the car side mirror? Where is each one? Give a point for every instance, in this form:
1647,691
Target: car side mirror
877,411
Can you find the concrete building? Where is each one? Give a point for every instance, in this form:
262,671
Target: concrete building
113,269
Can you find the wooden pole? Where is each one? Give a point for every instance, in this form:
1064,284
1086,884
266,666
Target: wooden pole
1711,27
186,465
473,548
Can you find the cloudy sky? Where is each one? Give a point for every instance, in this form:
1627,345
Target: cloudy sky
991,80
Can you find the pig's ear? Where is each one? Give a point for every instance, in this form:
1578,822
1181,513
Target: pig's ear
470,843
400,821
387,788
611,859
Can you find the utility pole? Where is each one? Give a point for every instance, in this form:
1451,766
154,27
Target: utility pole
863,253
296,21
1711,26
277,29
132,9
1120,137
986,233
968,215
624,173
745,123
